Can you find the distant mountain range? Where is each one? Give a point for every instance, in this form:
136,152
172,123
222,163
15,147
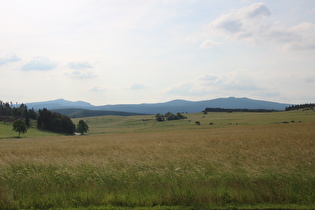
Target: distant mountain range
154,108
60,104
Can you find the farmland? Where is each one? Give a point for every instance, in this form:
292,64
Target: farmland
242,160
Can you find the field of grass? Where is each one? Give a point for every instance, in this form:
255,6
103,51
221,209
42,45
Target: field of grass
135,162
147,123
7,132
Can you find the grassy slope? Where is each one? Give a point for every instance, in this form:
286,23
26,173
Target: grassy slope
117,124
147,123
7,132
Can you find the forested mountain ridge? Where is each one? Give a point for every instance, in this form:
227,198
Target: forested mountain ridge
170,106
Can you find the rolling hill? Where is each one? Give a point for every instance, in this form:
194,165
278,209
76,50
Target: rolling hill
60,104
76,112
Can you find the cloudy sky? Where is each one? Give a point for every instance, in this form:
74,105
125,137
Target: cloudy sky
146,51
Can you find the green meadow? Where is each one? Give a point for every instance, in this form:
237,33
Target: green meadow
147,123
241,161
6,131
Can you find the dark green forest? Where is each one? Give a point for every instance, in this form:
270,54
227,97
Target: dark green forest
46,119
236,110
10,113
54,121
300,106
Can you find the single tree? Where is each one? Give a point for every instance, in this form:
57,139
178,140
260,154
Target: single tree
82,127
19,126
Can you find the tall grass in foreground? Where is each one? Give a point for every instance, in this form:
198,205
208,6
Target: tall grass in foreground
244,166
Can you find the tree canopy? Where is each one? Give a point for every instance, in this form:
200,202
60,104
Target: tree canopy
82,127
55,122
20,127
169,116
300,106
21,111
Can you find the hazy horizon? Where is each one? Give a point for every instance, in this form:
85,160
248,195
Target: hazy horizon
64,99
152,51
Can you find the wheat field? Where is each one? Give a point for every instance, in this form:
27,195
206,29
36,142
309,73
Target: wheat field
245,166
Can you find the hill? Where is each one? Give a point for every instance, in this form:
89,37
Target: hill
60,104
76,112
196,106
147,123
171,106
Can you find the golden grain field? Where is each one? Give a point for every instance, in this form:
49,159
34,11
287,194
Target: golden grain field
233,165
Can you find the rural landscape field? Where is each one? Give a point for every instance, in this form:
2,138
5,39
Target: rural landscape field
229,161
157,104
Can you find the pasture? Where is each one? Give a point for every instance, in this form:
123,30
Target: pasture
135,162
147,123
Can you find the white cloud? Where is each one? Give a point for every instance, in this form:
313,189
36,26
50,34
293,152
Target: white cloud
309,80
39,64
257,10
137,86
208,77
187,88
230,81
97,89
241,22
301,36
256,24
9,59
209,44
81,75
234,83
79,65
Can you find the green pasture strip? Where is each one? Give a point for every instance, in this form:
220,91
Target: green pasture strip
6,132
254,118
41,186
209,207
135,208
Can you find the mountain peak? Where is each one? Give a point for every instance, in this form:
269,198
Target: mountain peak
59,104
59,100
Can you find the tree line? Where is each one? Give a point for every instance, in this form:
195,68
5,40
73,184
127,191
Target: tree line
10,112
46,119
300,106
54,121
236,110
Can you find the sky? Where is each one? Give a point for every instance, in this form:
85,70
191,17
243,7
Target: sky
148,51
